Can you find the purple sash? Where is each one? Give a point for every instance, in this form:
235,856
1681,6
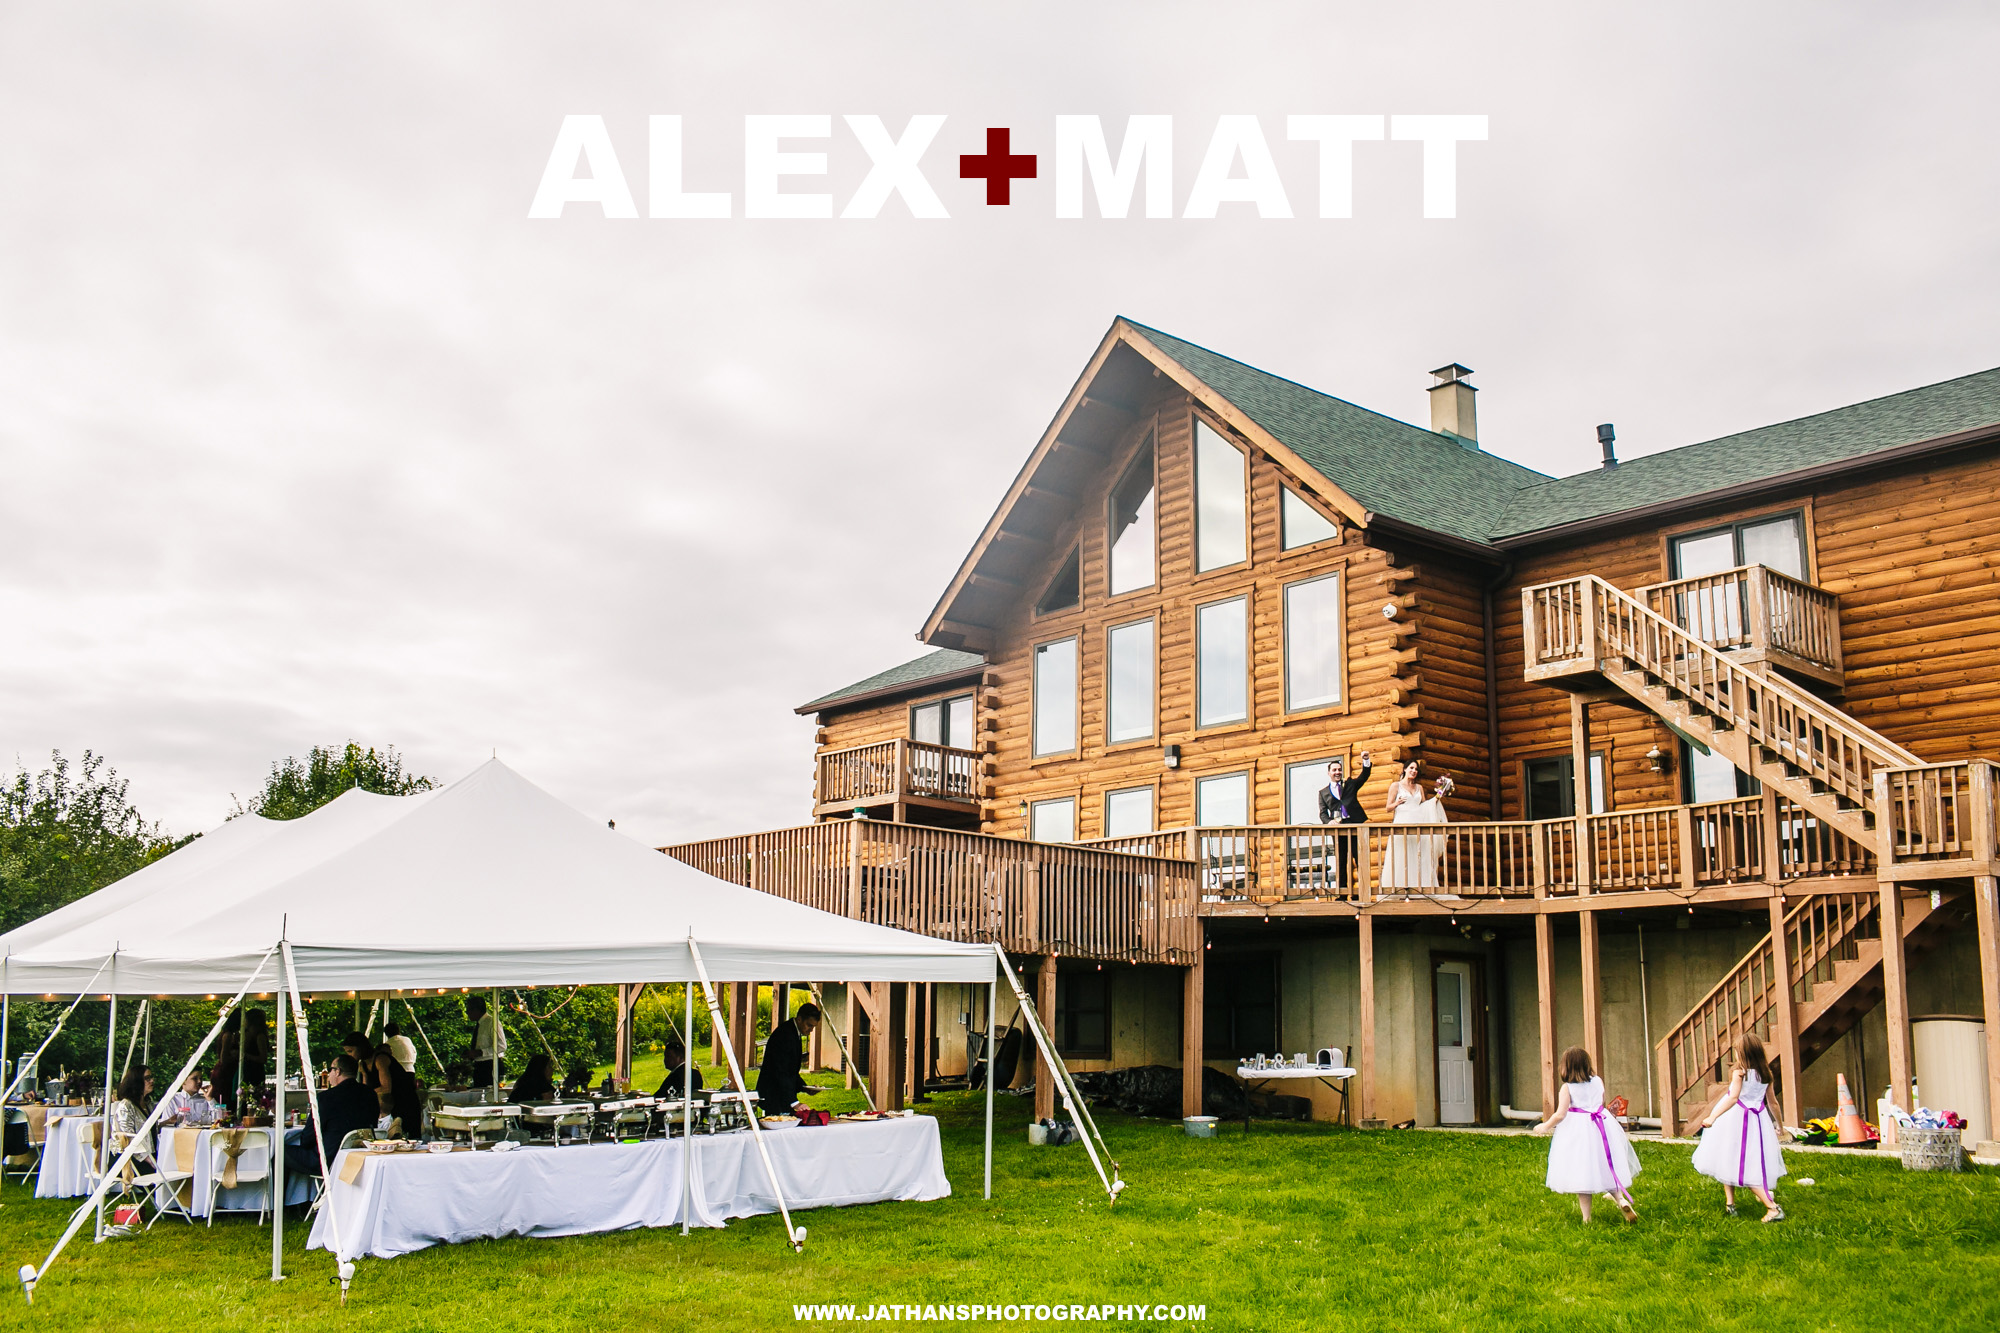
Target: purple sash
1743,1150
1604,1137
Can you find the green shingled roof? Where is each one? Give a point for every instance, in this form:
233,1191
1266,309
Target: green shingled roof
1844,434
931,666
1391,467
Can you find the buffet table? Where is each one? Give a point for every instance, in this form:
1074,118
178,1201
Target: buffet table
394,1203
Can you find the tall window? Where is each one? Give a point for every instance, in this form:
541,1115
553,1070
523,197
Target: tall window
1083,1013
943,722
1222,801
1128,811
1055,697
1549,786
1300,523
1777,542
1302,784
1065,589
1314,636
1221,530
1131,525
1128,670
1053,821
1222,666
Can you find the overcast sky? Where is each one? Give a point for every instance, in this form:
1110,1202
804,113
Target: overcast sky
308,433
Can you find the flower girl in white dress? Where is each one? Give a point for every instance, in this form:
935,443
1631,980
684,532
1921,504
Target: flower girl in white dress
1739,1143
1589,1153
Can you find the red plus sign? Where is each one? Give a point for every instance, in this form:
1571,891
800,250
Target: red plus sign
997,167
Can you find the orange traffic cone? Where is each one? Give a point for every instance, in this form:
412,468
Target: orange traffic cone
1847,1119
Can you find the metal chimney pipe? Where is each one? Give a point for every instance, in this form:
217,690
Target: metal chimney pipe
1608,439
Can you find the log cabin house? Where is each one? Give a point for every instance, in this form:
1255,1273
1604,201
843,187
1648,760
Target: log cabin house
1716,718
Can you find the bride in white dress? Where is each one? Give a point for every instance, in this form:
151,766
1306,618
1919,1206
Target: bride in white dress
1413,858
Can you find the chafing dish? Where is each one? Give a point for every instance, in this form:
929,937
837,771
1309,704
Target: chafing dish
558,1121
625,1119
469,1122
729,1110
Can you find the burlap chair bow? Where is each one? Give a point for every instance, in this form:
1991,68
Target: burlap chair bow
232,1148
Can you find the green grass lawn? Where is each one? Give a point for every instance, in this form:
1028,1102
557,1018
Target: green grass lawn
1292,1226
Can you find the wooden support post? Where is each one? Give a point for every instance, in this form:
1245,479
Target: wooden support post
1593,993
882,1072
1773,852
1545,1006
1784,1020
913,1028
621,1054
854,833
1367,1017
1670,1104
1896,993
1984,888
1579,756
1045,1006
1192,1036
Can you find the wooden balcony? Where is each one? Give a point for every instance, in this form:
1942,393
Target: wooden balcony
1757,615
1029,897
1938,821
895,774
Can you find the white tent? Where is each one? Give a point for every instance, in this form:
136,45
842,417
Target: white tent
488,882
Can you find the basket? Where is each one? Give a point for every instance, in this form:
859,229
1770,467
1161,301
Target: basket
1930,1149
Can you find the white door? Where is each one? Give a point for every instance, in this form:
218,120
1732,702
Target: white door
1454,1038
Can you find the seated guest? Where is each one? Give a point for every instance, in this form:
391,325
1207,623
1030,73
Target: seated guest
186,1105
674,1085
344,1105
401,1049
135,1096
779,1084
537,1082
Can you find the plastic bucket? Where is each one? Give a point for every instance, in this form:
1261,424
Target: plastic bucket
1199,1126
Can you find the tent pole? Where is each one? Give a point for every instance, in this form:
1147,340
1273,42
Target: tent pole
35,1063
493,1055
846,1060
31,1275
290,979
687,1106
992,1007
104,1135
795,1237
146,1053
132,1043
242,1031
411,1009
1072,1099
278,1143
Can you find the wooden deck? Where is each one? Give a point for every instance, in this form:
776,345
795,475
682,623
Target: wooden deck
897,773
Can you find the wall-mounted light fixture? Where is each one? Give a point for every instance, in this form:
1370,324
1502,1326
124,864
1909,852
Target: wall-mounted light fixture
1660,761
1173,756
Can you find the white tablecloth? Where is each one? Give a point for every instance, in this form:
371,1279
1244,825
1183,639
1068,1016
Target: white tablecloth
247,1198
65,1172
409,1201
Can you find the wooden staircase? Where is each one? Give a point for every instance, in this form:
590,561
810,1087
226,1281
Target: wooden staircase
1584,629
1834,949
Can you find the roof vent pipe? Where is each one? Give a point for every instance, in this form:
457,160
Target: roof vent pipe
1452,410
1608,438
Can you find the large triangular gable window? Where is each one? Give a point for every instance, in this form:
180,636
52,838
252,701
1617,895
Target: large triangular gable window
1303,525
1065,590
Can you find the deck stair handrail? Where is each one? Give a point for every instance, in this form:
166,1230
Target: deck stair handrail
1825,759
1757,608
1822,931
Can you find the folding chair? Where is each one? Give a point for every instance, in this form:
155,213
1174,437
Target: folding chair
33,1152
354,1138
251,1168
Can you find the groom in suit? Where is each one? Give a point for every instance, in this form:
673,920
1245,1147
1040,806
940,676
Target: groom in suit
1340,803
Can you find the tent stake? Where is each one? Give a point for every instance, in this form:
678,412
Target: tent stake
795,1237
30,1275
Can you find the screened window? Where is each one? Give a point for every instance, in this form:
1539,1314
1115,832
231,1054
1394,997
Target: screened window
1221,530
1055,697
1313,642
1300,523
943,722
1302,786
1128,811
1222,667
1128,670
1550,786
1053,821
1065,590
1222,801
1083,1013
1131,525
1777,542
1240,1006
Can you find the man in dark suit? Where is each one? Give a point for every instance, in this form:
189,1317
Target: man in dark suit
345,1104
1340,803
779,1083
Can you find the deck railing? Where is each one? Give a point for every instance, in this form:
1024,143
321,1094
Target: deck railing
1757,613
895,770
1939,819
1029,897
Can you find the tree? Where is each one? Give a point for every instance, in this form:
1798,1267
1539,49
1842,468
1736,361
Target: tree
66,832
298,787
